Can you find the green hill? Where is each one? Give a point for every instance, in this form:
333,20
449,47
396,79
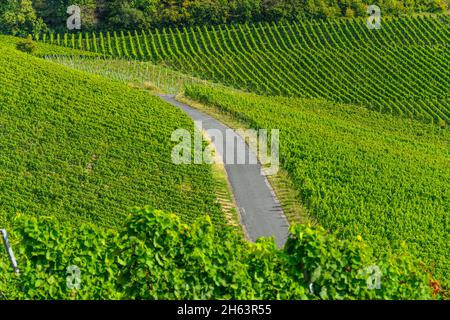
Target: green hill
81,147
401,68
359,172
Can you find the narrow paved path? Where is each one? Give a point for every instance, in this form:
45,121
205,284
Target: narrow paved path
260,210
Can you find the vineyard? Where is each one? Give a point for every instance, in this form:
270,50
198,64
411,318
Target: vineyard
87,178
71,148
134,72
402,68
156,256
357,171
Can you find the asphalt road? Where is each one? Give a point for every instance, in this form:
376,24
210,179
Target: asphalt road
261,213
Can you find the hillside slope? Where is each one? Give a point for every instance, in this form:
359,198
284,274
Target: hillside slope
358,172
402,68
81,147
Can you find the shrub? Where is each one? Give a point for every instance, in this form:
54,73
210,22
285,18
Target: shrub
349,13
27,45
157,256
343,269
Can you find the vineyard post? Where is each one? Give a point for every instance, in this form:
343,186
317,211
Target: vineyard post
10,251
159,76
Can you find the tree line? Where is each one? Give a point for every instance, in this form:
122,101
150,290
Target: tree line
21,17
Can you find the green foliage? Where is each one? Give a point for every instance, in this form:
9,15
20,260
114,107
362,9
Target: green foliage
157,256
18,18
47,249
44,48
357,171
66,40
346,269
145,14
87,42
27,45
71,148
54,12
138,73
179,261
314,60
80,41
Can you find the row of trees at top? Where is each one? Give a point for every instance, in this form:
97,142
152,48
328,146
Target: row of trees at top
20,17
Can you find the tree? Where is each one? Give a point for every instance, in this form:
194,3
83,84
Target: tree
245,10
208,11
54,13
17,17
126,14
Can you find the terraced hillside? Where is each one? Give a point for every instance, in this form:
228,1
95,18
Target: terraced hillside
81,147
358,172
402,68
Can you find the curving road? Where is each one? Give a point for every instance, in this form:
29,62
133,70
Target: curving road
261,213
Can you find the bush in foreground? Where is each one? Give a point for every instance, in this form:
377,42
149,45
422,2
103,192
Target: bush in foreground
156,256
